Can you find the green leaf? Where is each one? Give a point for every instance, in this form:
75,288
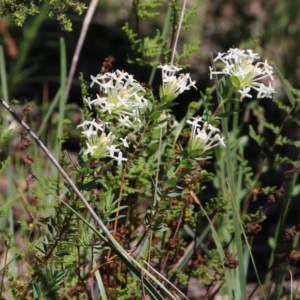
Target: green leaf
258,138
286,86
84,171
271,242
171,182
296,190
235,81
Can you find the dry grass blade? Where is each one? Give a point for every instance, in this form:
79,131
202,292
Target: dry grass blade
85,26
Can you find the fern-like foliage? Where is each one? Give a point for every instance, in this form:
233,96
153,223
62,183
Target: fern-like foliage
146,8
147,49
20,10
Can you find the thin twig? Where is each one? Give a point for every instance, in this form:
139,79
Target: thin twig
178,32
85,26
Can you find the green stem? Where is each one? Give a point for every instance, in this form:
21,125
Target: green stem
235,209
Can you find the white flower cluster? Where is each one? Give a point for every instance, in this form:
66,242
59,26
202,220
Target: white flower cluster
173,85
100,145
203,138
122,96
244,75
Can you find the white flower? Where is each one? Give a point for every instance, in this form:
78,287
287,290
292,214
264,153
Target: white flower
203,139
124,141
91,127
173,85
120,158
122,96
194,123
100,145
124,120
112,149
245,93
90,149
244,75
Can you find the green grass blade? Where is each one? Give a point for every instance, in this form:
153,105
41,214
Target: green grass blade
4,88
285,85
100,283
49,113
62,102
250,253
